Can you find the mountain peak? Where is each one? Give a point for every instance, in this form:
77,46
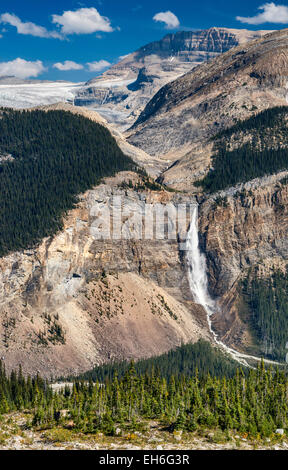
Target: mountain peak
195,107
122,92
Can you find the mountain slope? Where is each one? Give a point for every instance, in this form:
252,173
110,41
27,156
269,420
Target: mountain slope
152,165
69,300
179,121
74,300
250,149
122,92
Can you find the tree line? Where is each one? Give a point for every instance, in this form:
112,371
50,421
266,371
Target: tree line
184,360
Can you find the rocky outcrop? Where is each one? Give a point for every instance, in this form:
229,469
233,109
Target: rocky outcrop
99,97
76,300
142,80
210,41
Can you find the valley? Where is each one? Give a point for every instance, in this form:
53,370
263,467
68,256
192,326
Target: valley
62,277
169,327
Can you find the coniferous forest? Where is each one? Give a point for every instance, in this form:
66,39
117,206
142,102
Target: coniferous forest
184,360
254,403
250,149
266,308
46,160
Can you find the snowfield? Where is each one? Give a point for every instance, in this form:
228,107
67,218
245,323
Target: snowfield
35,94
29,95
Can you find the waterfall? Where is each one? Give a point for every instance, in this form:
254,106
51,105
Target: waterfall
198,282
196,260
197,273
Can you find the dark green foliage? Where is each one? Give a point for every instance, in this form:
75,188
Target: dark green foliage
266,151
263,122
267,302
253,403
143,184
57,155
242,165
184,360
18,392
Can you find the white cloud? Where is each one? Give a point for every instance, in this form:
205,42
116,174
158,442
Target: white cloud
271,14
82,21
68,65
168,18
98,66
22,68
28,28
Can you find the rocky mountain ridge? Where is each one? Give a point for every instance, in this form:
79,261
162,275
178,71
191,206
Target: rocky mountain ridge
122,92
178,123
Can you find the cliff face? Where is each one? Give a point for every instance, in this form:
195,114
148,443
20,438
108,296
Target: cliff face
243,227
116,93
213,40
249,229
76,301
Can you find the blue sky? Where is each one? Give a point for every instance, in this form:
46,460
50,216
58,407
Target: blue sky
74,40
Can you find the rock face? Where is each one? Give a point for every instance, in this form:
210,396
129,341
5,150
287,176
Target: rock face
179,121
143,80
76,301
122,92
